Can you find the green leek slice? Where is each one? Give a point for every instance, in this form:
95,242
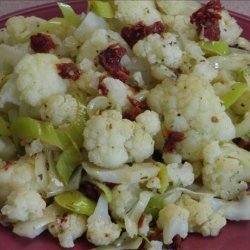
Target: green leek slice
214,48
102,8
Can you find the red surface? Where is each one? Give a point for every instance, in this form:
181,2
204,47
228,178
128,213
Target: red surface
235,236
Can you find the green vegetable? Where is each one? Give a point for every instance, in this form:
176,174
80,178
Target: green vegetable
69,14
76,202
155,204
232,96
163,176
4,127
104,188
244,75
67,162
26,127
219,48
102,8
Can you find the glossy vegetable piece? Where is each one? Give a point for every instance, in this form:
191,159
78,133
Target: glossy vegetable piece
214,48
155,204
102,8
232,96
102,187
69,14
76,202
4,127
26,127
66,164
244,75
163,176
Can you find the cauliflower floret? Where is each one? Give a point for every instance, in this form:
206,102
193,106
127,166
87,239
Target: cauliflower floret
229,29
100,229
7,148
59,109
173,7
23,204
98,42
37,78
124,141
124,197
144,226
190,106
16,175
118,92
180,174
226,169
202,219
20,26
150,120
173,220
68,228
154,183
154,245
131,11
160,50
34,147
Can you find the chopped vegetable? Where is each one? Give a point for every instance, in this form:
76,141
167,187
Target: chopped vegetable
232,96
76,202
102,8
219,48
163,176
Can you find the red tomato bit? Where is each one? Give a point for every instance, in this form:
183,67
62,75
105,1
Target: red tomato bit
42,43
68,71
141,221
8,165
137,109
132,34
242,143
207,19
170,142
110,59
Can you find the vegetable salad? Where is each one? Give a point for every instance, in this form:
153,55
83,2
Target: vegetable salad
127,125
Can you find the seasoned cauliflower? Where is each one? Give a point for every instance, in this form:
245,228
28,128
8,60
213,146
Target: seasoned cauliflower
154,245
190,106
68,228
124,197
202,219
160,50
173,220
59,109
150,120
229,29
226,169
180,174
100,229
23,204
131,12
112,141
33,84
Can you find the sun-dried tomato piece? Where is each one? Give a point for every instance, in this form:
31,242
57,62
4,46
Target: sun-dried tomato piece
132,34
141,221
110,59
207,19
242,143
68,71
170,142
90,190
8,165
138,108
42,43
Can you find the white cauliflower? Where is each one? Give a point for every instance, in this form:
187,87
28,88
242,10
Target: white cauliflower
154,245
33,84
7,148
68,228
180,174
202,218
229,29
59,109
226,169
150,120
131,11
23,204
124,197
144,227
20,26
16,175
173,220
100,229
158,49
124,141
175,8
99,41
190,106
